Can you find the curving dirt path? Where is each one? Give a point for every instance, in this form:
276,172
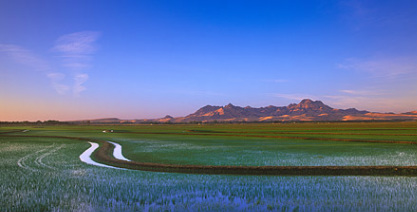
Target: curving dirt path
86,157
117,152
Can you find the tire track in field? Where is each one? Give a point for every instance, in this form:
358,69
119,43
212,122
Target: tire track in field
13,131
39,159
22,161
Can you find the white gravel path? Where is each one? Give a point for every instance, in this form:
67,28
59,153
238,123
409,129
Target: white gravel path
86,157
117,153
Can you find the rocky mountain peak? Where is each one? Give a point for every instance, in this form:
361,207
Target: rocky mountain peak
206,109
230,105
308,103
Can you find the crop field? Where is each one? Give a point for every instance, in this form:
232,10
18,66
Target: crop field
41,168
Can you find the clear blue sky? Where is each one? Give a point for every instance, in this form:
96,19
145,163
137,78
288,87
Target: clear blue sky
70,60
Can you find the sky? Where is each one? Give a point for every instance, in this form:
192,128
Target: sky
85,59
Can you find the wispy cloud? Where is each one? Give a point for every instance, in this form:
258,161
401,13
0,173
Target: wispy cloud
372,103
79,43
56,80
383,67
363,92
75,53
79,80
369,99
24,56
373,100
76,50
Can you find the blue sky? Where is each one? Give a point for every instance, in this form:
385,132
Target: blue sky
71,60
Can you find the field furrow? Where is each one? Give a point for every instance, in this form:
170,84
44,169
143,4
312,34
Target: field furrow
39,159
22,162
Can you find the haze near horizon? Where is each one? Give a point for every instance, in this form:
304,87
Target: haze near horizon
72,60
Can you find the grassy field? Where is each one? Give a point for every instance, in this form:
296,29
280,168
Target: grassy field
258,144
40,173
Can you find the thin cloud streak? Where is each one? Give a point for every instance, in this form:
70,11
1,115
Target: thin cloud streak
382,68
56,79
24,56
75,51
79,43
363,92
372,103
79,80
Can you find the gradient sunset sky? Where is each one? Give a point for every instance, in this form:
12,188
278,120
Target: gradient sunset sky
71,60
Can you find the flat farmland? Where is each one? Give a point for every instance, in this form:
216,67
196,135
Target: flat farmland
41,168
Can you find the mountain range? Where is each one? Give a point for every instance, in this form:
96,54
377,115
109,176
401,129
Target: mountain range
306,110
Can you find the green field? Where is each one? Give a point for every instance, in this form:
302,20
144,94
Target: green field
45,173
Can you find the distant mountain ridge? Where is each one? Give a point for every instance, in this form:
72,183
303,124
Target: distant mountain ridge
306,110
